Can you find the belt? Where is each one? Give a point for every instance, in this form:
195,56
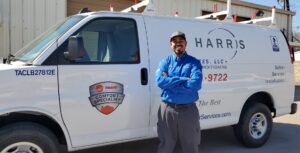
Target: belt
178,105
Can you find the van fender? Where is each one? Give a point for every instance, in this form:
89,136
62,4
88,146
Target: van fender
38,111
263,97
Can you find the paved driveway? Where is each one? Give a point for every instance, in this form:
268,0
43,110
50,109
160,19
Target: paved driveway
285,138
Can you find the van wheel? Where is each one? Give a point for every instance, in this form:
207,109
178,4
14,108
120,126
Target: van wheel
255,125
27,137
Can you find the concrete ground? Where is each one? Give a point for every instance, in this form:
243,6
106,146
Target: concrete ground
285,138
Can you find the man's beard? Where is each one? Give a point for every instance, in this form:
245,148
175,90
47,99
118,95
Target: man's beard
179,52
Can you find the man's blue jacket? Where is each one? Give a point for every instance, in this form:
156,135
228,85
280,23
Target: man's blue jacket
182,79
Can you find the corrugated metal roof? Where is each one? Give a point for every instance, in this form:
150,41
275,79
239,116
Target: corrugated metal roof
23,20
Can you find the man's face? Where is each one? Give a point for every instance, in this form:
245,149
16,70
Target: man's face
178,44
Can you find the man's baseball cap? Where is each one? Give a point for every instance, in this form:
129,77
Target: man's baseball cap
177,34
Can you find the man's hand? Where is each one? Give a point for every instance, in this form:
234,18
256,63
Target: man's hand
166,75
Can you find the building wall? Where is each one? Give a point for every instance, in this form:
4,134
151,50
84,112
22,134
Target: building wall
185,8
297,72
24,20
194,8
74,6
4,35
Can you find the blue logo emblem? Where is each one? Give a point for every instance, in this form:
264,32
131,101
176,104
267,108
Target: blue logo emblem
274,43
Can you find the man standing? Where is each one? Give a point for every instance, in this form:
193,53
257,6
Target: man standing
180,77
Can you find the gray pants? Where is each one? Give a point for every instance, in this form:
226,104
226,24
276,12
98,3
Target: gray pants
181,124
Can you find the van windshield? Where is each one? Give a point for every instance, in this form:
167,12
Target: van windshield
31,51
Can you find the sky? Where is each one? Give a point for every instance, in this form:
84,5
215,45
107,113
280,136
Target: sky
294,6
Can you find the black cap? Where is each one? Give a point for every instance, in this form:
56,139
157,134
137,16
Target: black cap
177,34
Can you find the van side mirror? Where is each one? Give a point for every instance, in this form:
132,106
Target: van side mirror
75,48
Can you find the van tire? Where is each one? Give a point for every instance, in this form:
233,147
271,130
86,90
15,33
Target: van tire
255,125
30,135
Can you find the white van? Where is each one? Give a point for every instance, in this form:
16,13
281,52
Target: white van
89,81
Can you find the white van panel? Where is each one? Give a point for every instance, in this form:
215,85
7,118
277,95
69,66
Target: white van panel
41,81
87,124
235,65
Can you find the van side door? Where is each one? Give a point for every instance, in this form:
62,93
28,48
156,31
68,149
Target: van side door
104,94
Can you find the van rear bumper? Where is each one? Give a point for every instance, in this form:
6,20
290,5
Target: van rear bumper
293,108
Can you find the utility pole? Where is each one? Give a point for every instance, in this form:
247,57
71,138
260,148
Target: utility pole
287,5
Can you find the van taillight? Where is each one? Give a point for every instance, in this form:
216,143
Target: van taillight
291,54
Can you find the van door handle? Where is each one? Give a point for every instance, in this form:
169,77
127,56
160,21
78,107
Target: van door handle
144,76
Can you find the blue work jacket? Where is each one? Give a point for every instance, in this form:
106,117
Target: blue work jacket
175,85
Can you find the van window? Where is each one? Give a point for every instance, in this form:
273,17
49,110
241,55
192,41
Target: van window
32,50
106,41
